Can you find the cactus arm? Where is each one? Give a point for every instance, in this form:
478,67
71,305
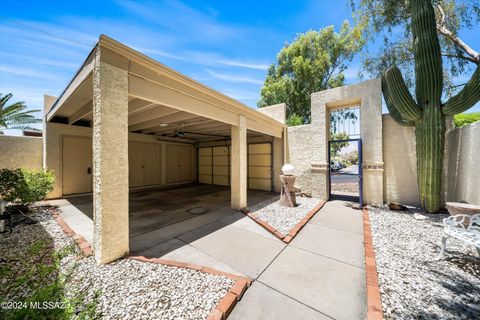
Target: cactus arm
466,98
400,96
394,113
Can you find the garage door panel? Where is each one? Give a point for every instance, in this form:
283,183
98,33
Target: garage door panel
260,148
221,170
205,169
260,160
259,172
205,160
221,180
220,151
205,152
260,184
220,160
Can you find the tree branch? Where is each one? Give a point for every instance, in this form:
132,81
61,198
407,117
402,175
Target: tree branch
459,56
443,30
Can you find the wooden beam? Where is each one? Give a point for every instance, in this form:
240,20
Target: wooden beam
137,105
151,114
81,113
175,117
166,96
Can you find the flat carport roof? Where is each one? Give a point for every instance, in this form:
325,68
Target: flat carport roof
119,90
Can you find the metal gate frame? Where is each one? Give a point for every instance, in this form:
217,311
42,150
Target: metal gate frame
360,172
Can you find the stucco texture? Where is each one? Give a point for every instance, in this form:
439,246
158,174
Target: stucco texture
300,155
463,162
20,152
399,155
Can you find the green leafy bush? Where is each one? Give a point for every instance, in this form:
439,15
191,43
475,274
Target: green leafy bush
463,119
25,186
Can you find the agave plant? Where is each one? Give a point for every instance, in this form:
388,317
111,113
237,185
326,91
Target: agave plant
15,115
426,112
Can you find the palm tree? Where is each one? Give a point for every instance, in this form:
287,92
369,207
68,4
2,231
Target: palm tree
15,115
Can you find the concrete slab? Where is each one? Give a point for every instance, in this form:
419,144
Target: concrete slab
262,302
340,221
180,251
248,252
333,243
77,221
331,287
154,237
241,221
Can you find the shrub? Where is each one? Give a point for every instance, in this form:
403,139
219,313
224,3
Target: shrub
463,119
25,186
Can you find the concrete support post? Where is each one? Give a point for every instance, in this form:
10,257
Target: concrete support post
239,164
320,136
110,161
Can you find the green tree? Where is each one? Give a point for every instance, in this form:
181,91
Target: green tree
386,24
337,146
427,112
463,119
314,61
15,115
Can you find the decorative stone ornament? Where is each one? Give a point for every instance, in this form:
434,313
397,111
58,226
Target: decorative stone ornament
287,195
288,169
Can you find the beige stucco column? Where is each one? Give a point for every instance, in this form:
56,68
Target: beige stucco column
110,161
239,164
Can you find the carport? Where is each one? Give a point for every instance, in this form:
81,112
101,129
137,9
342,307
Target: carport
126,121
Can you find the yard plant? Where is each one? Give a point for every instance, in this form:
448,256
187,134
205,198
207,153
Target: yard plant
23,187
427,112
15,115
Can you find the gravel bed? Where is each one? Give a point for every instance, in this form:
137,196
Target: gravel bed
127,289
414,285
283,218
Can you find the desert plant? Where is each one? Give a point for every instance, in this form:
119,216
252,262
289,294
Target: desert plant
25,186
463,119
15,115
427,112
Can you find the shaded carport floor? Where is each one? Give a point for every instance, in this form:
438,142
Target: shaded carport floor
319,275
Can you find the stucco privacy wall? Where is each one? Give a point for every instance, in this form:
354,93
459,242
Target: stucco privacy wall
300,155
367,95
463,162
399,155
20,152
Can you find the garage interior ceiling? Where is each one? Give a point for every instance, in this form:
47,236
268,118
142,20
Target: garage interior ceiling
150,118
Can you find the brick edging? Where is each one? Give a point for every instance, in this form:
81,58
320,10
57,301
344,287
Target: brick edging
224,306
374,298
79,240
293,232
228,302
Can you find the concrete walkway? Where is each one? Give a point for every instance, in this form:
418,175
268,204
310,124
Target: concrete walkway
319,275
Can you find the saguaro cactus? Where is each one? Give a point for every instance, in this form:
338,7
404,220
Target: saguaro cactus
427,112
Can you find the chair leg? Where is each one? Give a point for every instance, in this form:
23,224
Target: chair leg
441,255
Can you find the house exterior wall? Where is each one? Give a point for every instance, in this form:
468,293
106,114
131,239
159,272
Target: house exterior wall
20,152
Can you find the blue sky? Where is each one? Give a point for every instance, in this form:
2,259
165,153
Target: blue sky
227,45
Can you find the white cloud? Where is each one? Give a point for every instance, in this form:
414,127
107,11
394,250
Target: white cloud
233,78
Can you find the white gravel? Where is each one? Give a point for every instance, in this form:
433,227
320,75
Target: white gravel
413,284
283,218
129,289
